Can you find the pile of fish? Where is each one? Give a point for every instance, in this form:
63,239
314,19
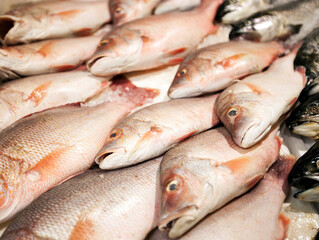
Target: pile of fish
158,119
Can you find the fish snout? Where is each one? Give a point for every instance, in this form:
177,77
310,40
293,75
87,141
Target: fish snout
111,158
240,32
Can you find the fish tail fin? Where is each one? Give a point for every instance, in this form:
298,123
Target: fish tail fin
209,7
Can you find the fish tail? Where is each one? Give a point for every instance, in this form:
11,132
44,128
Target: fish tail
209,7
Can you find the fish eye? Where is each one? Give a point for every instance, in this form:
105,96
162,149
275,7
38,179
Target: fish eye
314,109
118,10
232,112
115,134
172,185
104,42
182,73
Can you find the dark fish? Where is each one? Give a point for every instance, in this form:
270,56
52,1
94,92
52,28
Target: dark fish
305,175
304,120
308,56
278,23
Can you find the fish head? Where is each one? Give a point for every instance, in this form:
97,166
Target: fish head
126,144
189,79
305,175
261,27
232,11
244,114
122,12
186,197
117,50
304,119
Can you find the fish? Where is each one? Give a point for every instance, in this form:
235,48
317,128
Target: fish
95,205
46,148
308,56
144,44
203,173
22,97
278,23
166,6
262,204
213,68
153,130
47,20
304,119
250,107
305,175
232,11
46,56
123,11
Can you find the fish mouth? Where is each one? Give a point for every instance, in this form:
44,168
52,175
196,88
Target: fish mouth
102,64
252,135
111,158
225,10
178,223
6,24
183,90
309,195
238,34
307,129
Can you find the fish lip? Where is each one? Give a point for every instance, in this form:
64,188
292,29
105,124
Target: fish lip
105,158
243,141
305,128
308,195
170,222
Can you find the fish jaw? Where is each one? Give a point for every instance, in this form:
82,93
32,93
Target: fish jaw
116,53
307,129
183,207
111,158
309,195
9,26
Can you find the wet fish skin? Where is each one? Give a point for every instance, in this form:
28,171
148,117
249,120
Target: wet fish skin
142,44
304,175
277,23
46,56
250,107
232,11
175,5
34,22
263,204
123,11
94,205
213,68
25,96
46,148
155,129
304,119
205,172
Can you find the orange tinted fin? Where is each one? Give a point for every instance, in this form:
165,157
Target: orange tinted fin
253,181
83,32
231,61
175,61
182,138
39,93
62,68
68,13
236,165
284,223
45,50
83,230
253,87
177,51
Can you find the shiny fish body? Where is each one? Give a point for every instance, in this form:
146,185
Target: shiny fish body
305,175
232,11
175,5
308,56
45,56
46,148
57,19
249,108
123,11
94,205
150,42
153,130
263,205
304,119
24,96
279,22
205,172
213,68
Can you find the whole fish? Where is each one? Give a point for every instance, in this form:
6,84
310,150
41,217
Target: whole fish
22,97
279,22
249,108
123,11
305,175
57,19
46,148
263,205
95,205
152,42
46,56
232,11
176,5
212,68
308,56
304,119
205,172
155,129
